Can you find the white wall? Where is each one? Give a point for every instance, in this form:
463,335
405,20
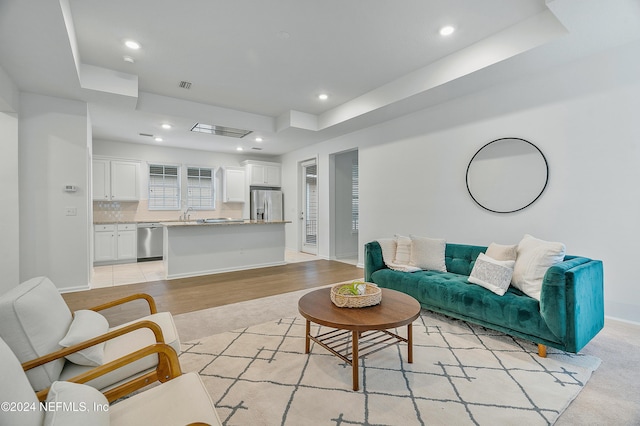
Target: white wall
584,117
53,153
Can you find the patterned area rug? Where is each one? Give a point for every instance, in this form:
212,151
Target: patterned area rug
461,374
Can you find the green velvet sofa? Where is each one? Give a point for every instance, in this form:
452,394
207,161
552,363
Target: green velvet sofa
570,312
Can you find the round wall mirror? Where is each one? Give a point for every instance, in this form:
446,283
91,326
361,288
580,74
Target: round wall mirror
507,175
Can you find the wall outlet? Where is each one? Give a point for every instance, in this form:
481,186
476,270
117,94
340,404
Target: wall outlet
71,211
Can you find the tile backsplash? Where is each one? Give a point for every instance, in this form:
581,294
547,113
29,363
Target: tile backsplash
138,211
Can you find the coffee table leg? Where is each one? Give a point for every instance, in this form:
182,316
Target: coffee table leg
410,343
307,337
354,360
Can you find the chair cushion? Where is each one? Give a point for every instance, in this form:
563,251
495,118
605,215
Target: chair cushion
16,389
33,319
124,345
180,401
71,404
86,325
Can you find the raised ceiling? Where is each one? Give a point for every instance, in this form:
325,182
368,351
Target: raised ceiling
260,65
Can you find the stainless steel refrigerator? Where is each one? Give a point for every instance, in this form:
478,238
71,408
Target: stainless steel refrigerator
267,205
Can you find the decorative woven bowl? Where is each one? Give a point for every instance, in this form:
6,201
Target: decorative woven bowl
372,296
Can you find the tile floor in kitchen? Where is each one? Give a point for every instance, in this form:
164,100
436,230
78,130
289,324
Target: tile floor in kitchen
130,273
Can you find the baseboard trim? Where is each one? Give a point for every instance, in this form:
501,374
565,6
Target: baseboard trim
223,270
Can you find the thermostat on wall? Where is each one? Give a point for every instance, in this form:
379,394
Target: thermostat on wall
70,188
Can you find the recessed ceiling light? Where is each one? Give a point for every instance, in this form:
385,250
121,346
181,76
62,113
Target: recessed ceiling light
166,126
323,96
258,139
128,59
448,30
131,44
239,148
158,139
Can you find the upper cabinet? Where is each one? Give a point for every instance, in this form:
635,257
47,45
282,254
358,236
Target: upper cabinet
233,185
116,180
262,173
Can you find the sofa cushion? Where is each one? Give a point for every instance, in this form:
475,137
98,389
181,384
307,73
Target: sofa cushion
428,253
494,275
502,252
86,325
33,319
451,293
535,257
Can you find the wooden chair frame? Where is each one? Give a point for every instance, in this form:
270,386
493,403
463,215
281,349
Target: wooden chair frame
162,373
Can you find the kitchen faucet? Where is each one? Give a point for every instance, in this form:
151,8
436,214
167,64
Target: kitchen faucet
185,217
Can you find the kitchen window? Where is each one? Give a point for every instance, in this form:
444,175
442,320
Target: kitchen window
164,187
200,188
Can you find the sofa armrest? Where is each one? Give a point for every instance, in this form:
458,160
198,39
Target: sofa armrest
572,301
373,260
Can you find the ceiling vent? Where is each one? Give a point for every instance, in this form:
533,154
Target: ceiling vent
185,85
256,148
220,130
146,134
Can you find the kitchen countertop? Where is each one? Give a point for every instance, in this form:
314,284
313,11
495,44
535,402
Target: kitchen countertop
245,222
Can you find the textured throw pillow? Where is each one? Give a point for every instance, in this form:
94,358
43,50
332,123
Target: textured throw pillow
86,325
492,274
75,404
534,258
403,250
502,252
428,253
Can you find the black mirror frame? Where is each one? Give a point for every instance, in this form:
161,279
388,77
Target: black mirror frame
546,182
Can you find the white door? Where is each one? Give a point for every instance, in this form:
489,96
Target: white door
309,211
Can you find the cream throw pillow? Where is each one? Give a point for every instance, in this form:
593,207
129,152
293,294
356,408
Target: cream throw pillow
428,253
86,325
492,274
502,252
76,404
403,250
534,258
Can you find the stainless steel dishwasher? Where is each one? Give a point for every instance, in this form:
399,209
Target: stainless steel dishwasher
150,237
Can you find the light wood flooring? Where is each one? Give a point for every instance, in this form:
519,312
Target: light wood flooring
193,294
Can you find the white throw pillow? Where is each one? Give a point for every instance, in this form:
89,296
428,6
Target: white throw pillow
492,274
535,257
428,253
502,252
86,325
403,250
70,404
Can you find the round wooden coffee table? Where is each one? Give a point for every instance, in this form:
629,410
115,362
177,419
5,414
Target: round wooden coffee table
369,327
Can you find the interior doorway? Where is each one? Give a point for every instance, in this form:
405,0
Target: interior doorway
309,206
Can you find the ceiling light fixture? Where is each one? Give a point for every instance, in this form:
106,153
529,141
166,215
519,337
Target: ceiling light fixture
166,126
258,139
448,30
323,96
128,59
158,139
131,44
239,148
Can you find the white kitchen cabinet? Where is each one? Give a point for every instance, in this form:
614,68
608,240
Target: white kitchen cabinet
263,173
233,181
116,180
115,243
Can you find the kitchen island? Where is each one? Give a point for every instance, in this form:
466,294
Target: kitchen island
196,248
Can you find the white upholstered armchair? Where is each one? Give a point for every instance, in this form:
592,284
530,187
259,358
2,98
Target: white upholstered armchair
180,400
36,322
